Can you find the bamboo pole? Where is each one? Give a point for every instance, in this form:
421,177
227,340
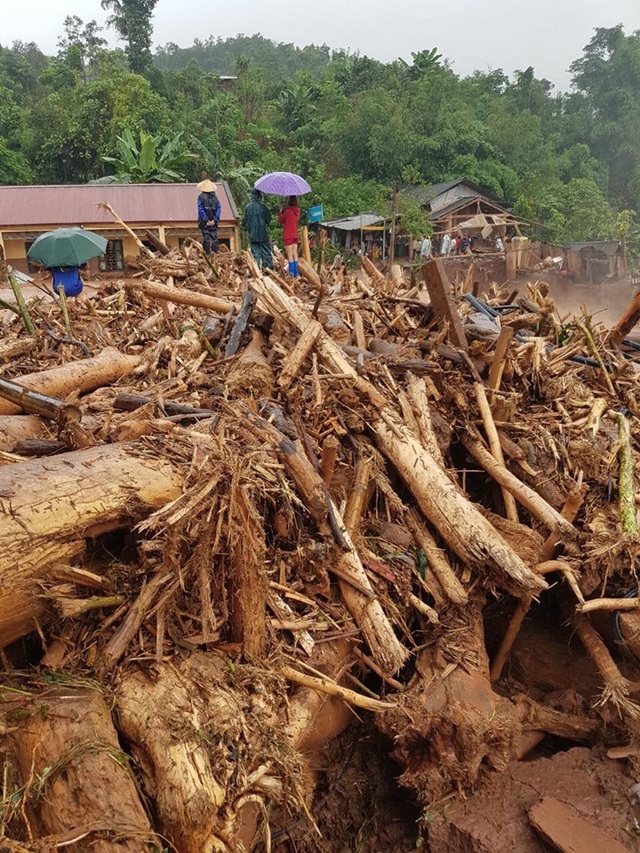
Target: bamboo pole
22,305
437,560
39,404
62,296
626,483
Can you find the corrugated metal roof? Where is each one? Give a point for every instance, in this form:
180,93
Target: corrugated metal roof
354,223
423,195
78,204
608,247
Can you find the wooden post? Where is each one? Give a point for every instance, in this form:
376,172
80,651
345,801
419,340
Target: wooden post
394,210
442,301
626,323
306,251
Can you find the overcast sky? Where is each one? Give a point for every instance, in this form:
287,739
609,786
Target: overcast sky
484,34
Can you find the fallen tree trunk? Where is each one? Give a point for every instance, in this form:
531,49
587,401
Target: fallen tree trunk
467,532
87,492
77,783
79,376
185,297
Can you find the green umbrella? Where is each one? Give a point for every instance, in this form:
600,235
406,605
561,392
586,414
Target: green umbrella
67,247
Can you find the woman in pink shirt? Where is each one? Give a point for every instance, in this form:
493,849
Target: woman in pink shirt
289,217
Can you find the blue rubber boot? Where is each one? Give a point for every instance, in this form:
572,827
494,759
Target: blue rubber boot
296,271
292,269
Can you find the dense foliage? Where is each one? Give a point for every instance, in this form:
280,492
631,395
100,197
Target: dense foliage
570,163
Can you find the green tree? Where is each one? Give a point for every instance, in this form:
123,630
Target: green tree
80,43
132,20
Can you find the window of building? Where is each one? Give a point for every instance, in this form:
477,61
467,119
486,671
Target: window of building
31,267
113,258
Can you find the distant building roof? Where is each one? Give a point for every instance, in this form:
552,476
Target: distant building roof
607,247
354,223
78,204
442,195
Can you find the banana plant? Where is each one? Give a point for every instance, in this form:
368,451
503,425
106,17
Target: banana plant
151,159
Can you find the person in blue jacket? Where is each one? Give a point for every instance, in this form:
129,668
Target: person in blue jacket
67,278
209,209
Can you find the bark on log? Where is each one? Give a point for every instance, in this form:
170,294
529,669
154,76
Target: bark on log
68,740
80,376
467,532
185,297
48,505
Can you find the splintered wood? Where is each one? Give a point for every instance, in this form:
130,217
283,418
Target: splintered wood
260,507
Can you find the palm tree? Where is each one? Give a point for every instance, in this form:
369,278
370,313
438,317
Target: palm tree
153,160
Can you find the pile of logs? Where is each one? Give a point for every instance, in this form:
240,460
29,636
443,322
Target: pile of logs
260,507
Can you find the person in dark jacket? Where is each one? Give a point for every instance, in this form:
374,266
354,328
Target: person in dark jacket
257,217
208,215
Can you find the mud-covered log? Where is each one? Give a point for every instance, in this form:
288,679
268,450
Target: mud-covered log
449,722
206,749
79,376
48,505
77,781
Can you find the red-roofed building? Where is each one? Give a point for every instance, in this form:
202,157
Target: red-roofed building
169,211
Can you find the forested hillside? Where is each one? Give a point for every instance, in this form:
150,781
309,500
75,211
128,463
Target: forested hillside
350,124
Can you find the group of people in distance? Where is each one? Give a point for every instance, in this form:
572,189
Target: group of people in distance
444,245
257,218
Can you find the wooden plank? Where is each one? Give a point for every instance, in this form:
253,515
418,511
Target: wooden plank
442,301
358,331
561,825
499,357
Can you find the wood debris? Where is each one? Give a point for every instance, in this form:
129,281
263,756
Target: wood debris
283,503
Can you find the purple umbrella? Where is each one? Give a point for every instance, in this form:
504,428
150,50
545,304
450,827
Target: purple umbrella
282,183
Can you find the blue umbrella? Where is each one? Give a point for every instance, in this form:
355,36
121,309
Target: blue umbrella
282,183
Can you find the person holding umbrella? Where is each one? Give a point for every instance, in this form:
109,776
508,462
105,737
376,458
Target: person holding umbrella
289,217
67,278
209,210
64,252
257,217
290,185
